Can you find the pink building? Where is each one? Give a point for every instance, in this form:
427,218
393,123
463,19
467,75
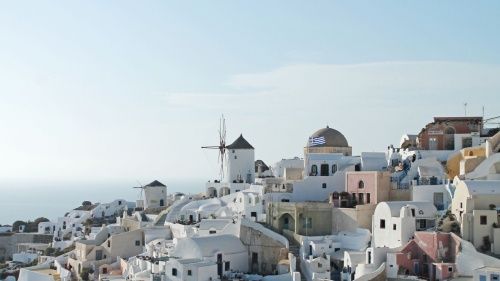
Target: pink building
367,187
430,255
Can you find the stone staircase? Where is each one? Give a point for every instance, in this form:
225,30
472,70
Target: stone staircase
294,249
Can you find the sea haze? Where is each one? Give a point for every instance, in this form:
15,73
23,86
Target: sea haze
52,200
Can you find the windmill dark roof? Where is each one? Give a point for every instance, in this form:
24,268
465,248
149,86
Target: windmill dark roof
240,143
156,183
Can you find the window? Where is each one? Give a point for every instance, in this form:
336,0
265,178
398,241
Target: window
307,222
212,231
256,200
461,205
483,220
361,184
137,243
190,273
413,212
438,200
109,243
250,200
450,268
235,157
449,142
320,265
382,224
423,224
449,131
104,270
368,201
324,185
314,170
466,142
174,271
227,266
361,198
394,227
334,168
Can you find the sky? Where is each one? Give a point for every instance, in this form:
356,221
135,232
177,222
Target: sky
116,92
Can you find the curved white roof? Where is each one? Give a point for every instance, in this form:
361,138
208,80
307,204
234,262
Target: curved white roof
208,246
210,207
479,187
424,208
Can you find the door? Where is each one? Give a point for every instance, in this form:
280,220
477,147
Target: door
219,265
98,255
324,169
255,262
285,223
162,202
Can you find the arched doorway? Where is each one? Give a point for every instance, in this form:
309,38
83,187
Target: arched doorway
211,192
224,191
286,221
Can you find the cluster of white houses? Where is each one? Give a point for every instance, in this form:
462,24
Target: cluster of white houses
427,209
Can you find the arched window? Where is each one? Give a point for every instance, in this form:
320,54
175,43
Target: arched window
361,184
449,130
334,168
314,170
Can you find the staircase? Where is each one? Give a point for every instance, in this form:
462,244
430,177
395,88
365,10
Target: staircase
294,249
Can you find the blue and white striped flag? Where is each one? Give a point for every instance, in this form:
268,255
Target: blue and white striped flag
316,141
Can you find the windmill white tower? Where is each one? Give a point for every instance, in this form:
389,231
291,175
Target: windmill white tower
155,195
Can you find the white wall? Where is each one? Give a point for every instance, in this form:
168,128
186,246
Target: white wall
241,162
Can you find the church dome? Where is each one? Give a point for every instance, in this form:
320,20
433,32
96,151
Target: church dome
333,138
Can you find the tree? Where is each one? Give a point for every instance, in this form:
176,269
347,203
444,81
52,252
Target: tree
48,251
41,219
85,273
16,224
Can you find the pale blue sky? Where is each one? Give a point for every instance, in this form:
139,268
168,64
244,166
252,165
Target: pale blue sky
114,91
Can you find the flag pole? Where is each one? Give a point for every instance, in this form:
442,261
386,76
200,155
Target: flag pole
307,156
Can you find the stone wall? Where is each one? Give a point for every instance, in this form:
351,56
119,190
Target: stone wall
8,243
348,219
267,248
400,195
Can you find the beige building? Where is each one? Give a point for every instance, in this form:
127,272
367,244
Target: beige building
474,204
304,218
105,249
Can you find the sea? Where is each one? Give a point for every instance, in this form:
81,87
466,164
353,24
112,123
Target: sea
29,201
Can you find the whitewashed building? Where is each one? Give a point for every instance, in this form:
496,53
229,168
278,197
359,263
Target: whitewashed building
394,223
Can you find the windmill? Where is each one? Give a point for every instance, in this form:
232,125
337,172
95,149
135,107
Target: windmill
142,187
222,145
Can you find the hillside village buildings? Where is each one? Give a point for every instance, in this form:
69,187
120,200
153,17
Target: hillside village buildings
427,209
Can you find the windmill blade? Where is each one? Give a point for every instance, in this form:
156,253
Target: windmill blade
222,145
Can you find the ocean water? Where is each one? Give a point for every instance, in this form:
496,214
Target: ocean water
23,201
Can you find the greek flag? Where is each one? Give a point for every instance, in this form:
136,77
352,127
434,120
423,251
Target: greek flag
316,141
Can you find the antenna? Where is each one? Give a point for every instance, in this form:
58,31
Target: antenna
222,145
465,108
